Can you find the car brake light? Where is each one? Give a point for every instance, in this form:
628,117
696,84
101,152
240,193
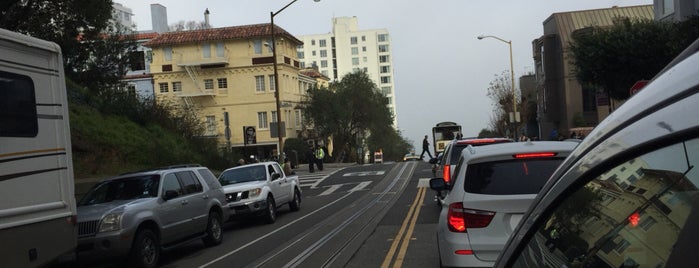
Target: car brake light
459,219
447,174
534,155
463,252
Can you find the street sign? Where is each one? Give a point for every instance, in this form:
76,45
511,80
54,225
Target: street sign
640,84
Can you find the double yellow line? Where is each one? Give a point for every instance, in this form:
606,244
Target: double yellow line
405,233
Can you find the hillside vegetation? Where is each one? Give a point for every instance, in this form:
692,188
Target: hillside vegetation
116,133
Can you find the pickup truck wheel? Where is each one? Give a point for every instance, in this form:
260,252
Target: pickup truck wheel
295,204
271,215
146,250
214,232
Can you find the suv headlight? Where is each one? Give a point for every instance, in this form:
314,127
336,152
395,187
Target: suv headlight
110,222
255,192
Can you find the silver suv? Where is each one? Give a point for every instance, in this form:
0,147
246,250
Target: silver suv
139,214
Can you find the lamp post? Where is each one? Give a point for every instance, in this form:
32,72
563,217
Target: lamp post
512,76
276,82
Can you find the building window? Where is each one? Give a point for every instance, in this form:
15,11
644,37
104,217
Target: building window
324,64
262,120
299,54
274,116
163,87
210,125
383,37
298,118
364,59
257,46
176,87
383,48
322,43
355,61
208,84
363,49
383,58
353,40
222,83
623,245
313,42
323,53
206,50
167,53
272,86
386,91
260,83
313,53
220,50
385,69
363,38
385,79
355,51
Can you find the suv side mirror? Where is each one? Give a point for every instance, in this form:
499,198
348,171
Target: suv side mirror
276,176
438,184
170,194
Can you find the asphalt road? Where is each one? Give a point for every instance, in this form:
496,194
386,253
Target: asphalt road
379,215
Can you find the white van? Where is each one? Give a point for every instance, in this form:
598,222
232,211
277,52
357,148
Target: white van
37,203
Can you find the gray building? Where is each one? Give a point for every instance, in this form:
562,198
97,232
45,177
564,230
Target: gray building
563,103
675,10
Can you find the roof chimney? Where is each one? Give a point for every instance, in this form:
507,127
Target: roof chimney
206,19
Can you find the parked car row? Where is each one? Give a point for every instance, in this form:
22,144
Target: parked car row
625,196
137,215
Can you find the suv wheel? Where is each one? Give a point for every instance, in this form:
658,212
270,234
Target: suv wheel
271,215
295,203
214,232
146,249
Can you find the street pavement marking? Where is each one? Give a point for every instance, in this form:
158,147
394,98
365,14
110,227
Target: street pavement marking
331,189
403,235
360,186
364,173
423,183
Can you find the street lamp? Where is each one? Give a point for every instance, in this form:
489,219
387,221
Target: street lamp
512,76
276,82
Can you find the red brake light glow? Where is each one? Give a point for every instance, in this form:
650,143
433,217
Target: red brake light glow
534,155
446,174
634,219
459,218
464,252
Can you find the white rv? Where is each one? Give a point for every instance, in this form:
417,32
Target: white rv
37,203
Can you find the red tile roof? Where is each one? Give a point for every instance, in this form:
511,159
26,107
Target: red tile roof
215,34
143,36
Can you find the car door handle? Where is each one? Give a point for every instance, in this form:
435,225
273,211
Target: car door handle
185,202
206,196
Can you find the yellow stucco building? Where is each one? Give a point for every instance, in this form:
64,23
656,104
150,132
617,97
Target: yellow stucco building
225,77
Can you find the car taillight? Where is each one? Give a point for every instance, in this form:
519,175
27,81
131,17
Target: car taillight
460,218
447,174
534,155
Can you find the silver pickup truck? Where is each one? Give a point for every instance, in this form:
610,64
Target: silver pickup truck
257,190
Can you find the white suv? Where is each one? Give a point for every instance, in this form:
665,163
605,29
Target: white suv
492,188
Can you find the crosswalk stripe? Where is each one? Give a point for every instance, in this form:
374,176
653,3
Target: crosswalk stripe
360,186
331,189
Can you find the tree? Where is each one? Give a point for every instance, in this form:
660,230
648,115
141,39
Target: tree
500,92
347,111
188,26
95,51
612,59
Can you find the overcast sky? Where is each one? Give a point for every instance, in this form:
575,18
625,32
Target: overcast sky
442,71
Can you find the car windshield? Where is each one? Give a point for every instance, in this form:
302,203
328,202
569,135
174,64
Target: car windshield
510,177
243,174
122,189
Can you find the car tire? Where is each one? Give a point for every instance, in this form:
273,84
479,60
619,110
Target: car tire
145,251
271,213
214,230
295,204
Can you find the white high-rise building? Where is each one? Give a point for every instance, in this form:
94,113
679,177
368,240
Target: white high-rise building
347,49
123,15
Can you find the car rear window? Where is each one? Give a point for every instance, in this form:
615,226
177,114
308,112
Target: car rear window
522,176
457,148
